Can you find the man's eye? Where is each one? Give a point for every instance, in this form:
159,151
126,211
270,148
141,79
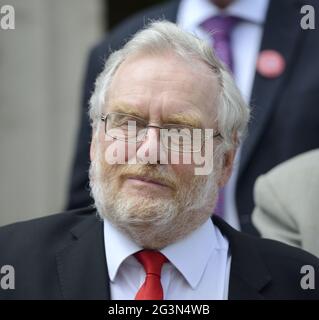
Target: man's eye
187,132
129,123
124,121
182,131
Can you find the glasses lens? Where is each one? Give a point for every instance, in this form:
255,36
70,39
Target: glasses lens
125,127
182,139
177,138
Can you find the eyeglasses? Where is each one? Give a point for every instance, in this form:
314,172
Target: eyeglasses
175,137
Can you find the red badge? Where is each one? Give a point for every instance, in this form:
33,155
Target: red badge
270,63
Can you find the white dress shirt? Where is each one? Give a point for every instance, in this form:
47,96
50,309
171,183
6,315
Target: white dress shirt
198,267
245,43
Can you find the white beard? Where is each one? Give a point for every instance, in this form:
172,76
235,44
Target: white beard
150,221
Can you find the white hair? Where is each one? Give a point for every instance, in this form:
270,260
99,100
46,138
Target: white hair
160,37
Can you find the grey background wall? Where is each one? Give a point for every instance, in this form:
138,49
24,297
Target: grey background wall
41,68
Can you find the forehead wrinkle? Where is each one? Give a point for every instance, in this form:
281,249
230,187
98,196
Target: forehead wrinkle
205,81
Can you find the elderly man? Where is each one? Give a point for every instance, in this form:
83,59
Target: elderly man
166,118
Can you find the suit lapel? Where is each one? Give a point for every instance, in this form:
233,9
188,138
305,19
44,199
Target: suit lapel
282,33
81,264
248,273
82,268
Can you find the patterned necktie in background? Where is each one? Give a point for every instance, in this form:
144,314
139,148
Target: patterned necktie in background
220,28
152,262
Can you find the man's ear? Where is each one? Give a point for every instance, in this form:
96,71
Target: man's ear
228,161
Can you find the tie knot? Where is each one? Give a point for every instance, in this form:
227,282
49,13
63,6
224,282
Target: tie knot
152,261
220,26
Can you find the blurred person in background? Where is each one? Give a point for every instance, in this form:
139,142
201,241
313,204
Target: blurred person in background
275,65
287,202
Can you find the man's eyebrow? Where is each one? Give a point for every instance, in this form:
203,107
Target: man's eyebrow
126,108
190,118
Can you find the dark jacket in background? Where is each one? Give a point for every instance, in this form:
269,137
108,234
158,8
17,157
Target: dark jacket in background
285,110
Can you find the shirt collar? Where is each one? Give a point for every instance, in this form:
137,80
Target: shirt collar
118,247
191,264
192,13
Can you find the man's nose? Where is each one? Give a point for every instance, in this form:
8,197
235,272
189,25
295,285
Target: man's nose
150,150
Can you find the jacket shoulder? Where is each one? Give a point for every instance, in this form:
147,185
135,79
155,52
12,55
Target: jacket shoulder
272,249
294,272
275,269
35,233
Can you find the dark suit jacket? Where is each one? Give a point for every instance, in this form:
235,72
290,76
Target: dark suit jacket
63,257
285,113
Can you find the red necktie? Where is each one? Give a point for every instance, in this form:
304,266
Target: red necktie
152,262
